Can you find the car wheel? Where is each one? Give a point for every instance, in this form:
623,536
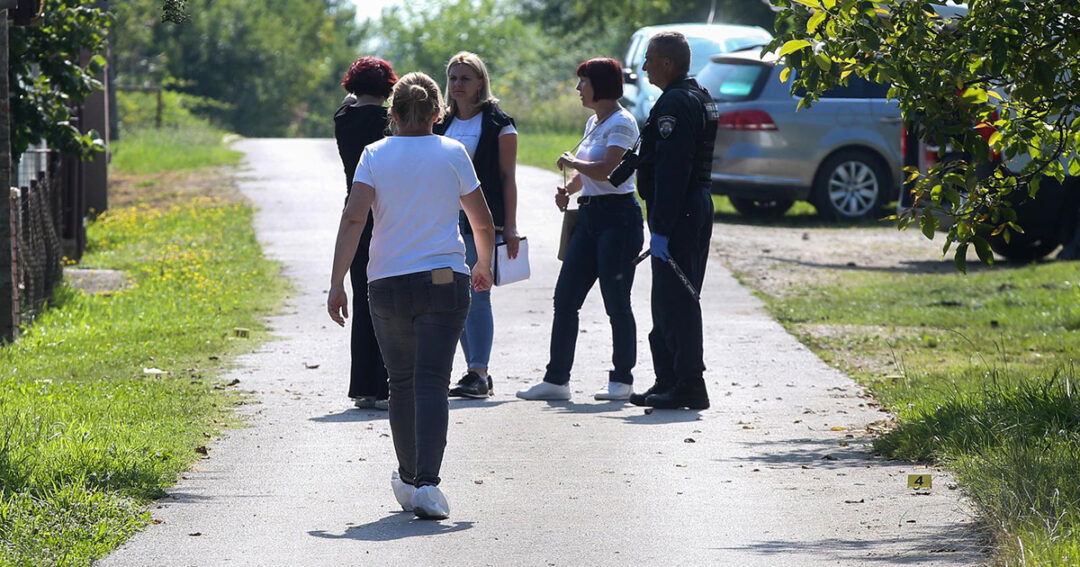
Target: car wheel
1022,248
761,208
850,185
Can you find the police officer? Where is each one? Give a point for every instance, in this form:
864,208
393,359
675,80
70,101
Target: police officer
674,178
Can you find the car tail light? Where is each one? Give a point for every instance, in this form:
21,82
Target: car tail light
753,120
987,129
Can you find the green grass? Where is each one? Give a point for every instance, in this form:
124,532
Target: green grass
177,148
87,439
979,370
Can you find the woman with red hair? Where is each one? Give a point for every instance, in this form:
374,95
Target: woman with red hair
361,120
608,236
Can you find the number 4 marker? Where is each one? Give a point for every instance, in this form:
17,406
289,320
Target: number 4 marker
919,481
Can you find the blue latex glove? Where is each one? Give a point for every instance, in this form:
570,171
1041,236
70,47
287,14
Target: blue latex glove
658,246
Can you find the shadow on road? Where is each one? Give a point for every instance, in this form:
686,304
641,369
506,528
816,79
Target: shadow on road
959,543
945,266
658,417
601,407
813,453
396,526
351,415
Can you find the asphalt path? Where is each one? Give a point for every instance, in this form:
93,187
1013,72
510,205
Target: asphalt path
778,472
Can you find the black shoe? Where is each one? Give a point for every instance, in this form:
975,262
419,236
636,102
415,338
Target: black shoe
683,395
638,399
473,386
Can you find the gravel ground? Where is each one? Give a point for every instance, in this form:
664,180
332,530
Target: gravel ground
788,254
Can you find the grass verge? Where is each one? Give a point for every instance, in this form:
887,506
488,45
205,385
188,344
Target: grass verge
979,370
89,431
170,149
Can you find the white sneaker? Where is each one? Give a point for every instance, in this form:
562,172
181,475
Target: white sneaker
615,391
381,405
364,402
428,502
402,491
546,391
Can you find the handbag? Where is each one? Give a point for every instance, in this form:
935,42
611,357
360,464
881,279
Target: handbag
569,221
508,270
570,216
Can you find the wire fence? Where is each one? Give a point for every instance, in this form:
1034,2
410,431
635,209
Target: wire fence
37,219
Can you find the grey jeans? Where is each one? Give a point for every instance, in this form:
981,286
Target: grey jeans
418,324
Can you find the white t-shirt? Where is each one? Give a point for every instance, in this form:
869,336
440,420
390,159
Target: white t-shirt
468,132
619,130
418,181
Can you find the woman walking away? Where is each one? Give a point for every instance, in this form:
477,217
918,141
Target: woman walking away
474,118
361,120
607,238
418,283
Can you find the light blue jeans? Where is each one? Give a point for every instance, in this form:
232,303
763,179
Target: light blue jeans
479,330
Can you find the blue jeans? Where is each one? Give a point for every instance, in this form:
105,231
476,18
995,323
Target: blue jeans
418,324
607,238
479,331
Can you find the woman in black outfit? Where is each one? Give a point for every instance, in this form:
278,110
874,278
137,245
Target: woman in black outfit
361,120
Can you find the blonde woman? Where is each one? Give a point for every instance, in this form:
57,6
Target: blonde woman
474,118
418,282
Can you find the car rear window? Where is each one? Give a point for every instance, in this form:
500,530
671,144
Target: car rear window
733,82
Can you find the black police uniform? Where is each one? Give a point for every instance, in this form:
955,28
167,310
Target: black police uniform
674,178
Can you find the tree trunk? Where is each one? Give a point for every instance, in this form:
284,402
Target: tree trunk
9,308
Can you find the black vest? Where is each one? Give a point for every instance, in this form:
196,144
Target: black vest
486,160
701,163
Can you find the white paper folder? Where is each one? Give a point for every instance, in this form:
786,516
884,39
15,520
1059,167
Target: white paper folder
508,271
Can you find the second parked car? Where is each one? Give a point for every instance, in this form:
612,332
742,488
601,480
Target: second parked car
843,154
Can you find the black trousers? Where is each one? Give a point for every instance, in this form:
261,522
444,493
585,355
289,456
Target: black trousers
419,324
676,338
367,375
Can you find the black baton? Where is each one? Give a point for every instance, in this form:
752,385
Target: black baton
678,272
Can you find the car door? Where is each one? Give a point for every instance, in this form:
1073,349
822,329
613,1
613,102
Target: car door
888,123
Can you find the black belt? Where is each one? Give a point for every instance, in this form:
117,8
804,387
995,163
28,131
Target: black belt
610,198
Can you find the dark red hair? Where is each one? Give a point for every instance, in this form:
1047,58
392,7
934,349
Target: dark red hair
605,76
369,76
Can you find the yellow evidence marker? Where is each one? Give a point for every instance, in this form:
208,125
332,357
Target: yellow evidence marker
919,481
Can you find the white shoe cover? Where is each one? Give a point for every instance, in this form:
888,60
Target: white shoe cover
402,491
615,391
428,502
546,391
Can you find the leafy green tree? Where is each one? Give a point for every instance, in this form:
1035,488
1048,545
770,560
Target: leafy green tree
274,64
530,70
611,22
52,67
1009,65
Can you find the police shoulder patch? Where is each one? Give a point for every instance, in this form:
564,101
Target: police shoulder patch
666,124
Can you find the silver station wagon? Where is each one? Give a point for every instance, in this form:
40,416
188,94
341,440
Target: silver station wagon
705,40
843,154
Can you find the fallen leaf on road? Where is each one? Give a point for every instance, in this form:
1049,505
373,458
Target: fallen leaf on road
836,428
310,366
196,534
689,440
859,501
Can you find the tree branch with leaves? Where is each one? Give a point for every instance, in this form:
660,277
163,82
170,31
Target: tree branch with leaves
998,88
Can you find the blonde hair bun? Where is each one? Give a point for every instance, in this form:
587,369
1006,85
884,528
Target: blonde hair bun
416,101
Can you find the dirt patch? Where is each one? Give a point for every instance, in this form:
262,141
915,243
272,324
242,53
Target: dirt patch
159,189
777,259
